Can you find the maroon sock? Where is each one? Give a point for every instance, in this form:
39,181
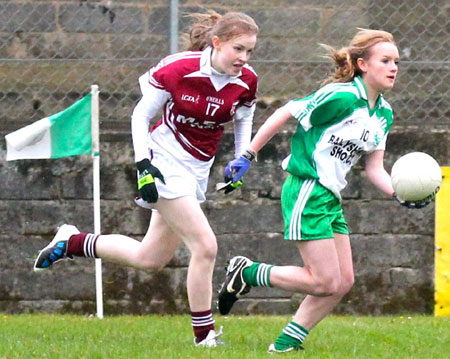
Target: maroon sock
82,245
202,323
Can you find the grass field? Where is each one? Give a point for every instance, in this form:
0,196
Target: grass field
153,337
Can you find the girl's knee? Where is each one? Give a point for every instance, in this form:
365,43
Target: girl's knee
335,287
151,264
346,284
152,261
326,288
206,249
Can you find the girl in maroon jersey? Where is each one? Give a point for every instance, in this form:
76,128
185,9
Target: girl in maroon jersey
199,91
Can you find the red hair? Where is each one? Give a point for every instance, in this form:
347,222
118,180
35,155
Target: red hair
225,27
345,59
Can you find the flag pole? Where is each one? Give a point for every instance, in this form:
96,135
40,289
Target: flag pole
96,192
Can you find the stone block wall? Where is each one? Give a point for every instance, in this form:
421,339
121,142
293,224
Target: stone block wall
393,247
48,59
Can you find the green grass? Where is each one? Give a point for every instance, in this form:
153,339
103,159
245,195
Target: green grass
152,337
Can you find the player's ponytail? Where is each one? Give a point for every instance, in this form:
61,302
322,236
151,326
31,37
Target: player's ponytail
226,27
345,59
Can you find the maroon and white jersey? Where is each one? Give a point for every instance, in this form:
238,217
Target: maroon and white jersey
197,102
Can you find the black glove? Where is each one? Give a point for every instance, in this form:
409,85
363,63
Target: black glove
146,180
228,185
414,204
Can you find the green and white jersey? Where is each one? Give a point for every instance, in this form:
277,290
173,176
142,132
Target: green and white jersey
335,126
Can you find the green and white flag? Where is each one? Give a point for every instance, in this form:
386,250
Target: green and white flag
67,133
72,132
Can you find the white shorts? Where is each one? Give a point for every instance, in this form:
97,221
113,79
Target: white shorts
183,174
179,181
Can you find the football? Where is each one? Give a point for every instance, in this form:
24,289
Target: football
416,176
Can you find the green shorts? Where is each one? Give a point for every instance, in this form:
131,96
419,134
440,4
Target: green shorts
310,210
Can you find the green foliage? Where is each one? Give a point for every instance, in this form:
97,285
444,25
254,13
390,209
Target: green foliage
63,336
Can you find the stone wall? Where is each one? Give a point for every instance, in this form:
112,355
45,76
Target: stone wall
393,247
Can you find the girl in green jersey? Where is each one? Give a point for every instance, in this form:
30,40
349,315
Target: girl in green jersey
345,118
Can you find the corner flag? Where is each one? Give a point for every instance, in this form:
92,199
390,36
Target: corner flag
71,132
67,133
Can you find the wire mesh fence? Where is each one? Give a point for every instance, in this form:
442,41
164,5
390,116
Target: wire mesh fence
52,51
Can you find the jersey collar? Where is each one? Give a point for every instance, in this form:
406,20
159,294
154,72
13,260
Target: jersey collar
206,66
362,89
218,80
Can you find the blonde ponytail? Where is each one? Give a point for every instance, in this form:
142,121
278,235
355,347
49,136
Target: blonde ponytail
345,59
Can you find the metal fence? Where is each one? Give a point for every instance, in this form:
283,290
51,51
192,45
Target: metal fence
52,51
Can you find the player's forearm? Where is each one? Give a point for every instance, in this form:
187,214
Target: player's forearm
377,174
380,178
243,124
139,134
272,126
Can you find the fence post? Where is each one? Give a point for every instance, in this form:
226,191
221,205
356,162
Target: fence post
173,26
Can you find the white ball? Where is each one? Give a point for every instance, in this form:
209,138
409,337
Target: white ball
416,176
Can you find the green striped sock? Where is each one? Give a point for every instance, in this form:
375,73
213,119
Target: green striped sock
257,275
292,337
